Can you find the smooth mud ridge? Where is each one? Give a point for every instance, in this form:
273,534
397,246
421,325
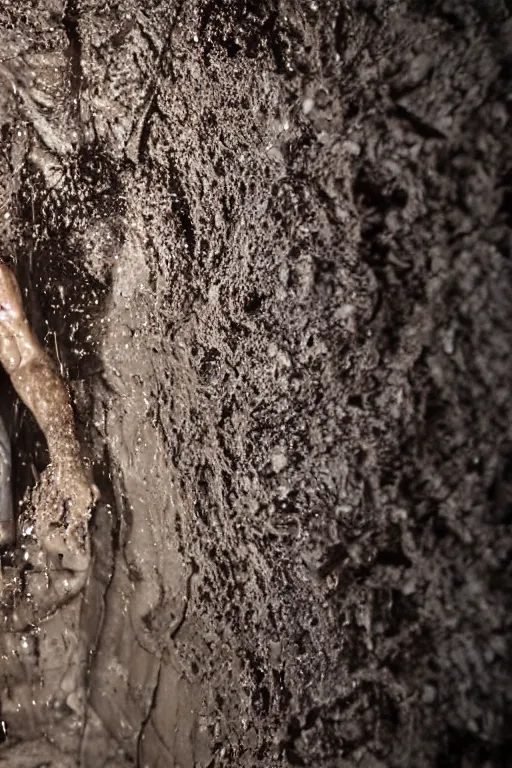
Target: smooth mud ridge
268,245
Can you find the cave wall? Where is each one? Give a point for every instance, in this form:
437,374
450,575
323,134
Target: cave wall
271,243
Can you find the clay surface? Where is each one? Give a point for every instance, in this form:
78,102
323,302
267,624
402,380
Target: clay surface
269,245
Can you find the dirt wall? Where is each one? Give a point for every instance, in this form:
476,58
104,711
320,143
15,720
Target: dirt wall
270,244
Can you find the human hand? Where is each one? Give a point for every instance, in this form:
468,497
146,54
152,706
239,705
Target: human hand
61,503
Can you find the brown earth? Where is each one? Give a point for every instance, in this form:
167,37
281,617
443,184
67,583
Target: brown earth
270,244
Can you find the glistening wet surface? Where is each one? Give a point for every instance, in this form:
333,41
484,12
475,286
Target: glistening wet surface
268,245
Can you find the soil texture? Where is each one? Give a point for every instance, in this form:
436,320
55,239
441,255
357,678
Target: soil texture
269,244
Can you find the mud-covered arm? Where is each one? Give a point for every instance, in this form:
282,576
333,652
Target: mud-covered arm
34,376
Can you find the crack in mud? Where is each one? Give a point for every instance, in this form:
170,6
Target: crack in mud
71,24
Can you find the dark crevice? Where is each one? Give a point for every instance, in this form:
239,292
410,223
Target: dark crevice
72,29
147,718
194,568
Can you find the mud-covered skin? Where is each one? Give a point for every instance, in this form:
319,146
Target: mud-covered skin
64,495
47,590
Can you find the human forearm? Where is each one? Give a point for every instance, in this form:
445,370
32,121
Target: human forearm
34,375
62,498
44,393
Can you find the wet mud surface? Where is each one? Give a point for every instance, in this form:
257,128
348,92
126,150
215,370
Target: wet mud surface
269,244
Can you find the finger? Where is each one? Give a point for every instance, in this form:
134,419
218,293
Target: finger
43,594
65,549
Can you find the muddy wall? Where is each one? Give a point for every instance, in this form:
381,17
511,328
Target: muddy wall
270,245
